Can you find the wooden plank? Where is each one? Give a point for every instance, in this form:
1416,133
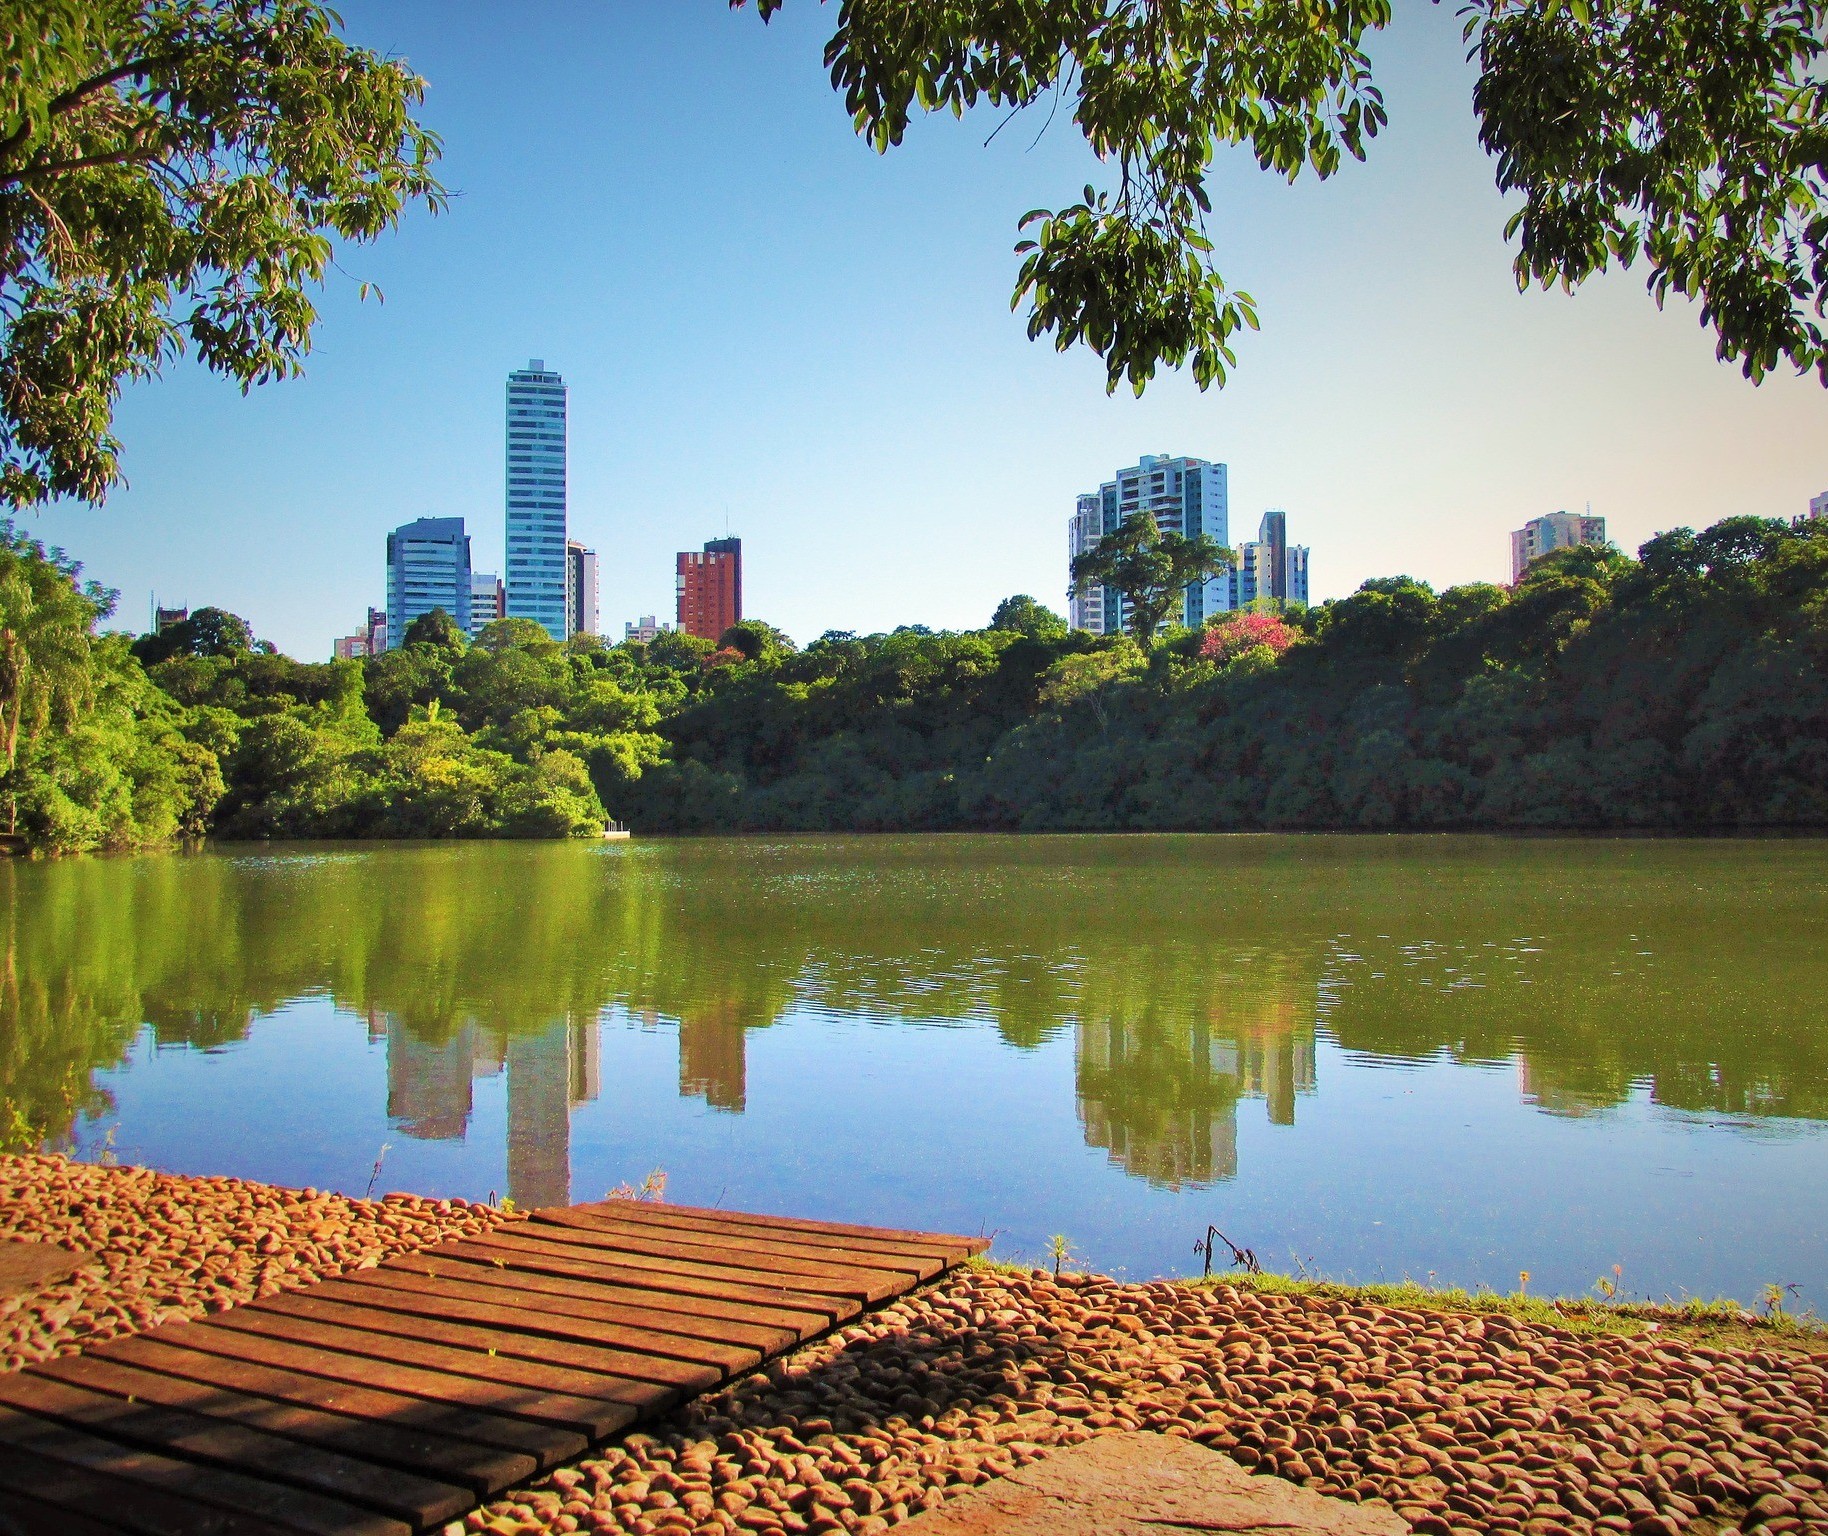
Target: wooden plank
878,1247
175,1432
748,1246
498,1341
473,1468
454,1301
833,1309
23,1515
597,1403
78,1499
943,1241
266,1506
521,1444
733,1346
670,1314
649,1261
530,1256
554,1429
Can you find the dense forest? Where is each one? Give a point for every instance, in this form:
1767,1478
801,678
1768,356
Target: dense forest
1686,688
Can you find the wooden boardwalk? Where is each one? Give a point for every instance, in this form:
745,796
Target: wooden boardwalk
400,1397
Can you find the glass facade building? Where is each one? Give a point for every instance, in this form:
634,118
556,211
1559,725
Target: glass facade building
1184,496
536,574
428,566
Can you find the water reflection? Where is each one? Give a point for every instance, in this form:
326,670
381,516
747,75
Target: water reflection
551,1071
1194,975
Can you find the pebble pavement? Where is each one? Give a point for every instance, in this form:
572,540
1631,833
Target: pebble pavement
1465,1425
164,1248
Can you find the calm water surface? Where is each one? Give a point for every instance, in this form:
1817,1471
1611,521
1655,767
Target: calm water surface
1463,1057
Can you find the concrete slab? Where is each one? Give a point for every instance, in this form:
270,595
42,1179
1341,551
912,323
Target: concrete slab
28,1267
1147,1485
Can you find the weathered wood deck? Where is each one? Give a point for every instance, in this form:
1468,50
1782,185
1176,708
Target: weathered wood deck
392,1400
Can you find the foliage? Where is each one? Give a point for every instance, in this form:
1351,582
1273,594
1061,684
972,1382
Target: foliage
173,175
93,753
1684,689
1151,569
755,641
1691,139
207,632
440,629
1226,639
1022,615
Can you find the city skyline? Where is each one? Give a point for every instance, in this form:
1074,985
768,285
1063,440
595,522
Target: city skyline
858,385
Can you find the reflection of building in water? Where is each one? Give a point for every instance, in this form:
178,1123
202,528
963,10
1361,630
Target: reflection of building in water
428,1086
550,1072
1162,1097
1555,1098
713,1061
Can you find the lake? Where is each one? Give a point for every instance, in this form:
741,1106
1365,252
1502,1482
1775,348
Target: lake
1369,1058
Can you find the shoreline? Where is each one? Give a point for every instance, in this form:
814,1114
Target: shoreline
1466,1415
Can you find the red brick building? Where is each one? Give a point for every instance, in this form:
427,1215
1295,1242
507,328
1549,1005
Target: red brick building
710,588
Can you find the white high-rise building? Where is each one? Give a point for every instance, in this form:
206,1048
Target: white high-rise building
1555,530
1270,569
1086,527
1818,505
536,498
1184,496
485,601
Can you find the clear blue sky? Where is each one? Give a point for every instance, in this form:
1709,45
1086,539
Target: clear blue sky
767,327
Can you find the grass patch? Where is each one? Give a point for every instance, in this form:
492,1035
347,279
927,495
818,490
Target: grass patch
1723,1323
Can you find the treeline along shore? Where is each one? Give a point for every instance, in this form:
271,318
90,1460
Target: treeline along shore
1681,689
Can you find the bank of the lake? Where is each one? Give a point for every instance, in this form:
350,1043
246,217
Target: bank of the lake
1465,1421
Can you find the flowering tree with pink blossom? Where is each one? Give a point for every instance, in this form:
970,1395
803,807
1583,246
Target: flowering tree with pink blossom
1245,632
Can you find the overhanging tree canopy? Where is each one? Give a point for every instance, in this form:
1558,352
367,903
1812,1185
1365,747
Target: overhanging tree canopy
1691,134
173,174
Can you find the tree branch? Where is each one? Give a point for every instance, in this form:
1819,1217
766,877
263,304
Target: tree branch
58,167
76,95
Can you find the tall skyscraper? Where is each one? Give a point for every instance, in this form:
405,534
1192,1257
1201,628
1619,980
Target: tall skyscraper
428,566
1269,568
1818,505
710,588
1556,530
486,601
580,588
536,497
1274,532
1185,496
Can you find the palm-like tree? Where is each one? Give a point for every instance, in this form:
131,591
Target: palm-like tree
45,623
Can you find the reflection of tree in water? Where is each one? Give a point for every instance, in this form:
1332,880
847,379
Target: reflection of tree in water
1158,1086
1189,967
